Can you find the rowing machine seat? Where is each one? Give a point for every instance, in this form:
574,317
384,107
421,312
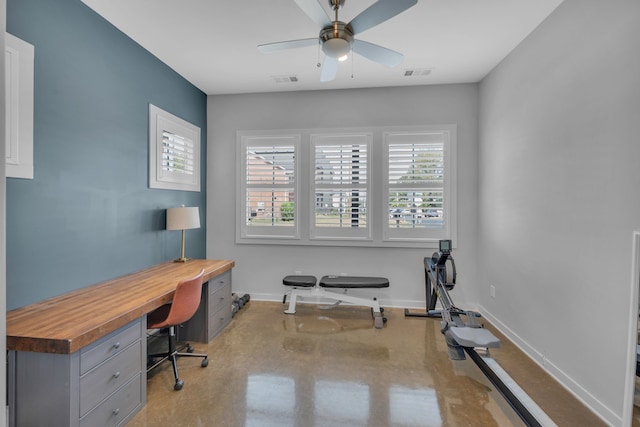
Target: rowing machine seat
473,337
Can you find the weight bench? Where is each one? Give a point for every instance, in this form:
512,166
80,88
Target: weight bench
306,287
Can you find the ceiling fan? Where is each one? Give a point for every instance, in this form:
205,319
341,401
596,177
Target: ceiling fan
337,38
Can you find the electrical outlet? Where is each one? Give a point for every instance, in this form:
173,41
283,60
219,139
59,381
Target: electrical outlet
492,291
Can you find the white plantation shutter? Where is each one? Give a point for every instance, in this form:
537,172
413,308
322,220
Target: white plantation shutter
369,186
19,60
174,148
417,185
269,186
340,185
178,154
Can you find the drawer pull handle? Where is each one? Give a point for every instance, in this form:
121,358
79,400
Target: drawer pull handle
116,411
116,375
116,345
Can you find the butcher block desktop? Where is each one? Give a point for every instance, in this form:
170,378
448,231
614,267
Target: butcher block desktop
80,358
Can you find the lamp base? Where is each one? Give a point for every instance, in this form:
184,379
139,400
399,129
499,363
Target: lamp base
181,260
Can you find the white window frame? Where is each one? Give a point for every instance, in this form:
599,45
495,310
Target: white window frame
256,233
377,232
160,177
418,135
339,138
19,60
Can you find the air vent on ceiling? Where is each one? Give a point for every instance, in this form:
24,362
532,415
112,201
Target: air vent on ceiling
417,72
285,79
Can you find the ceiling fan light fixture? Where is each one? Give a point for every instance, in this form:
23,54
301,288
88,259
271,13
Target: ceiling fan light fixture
336,39
343,58
336,47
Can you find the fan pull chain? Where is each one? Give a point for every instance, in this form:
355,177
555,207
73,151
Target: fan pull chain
352,60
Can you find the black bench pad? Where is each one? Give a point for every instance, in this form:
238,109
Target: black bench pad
300,281
353,282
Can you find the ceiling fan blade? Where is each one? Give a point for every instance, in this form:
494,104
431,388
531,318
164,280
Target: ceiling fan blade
291,44
379,12
329,69
314,11
376,53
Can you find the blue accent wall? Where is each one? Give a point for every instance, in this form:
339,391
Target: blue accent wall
88,215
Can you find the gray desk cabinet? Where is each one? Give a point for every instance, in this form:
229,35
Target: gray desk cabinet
103,384
214,312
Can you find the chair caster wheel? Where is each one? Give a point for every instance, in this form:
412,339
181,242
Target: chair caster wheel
190,349
178,385
384,320
205,363
381,310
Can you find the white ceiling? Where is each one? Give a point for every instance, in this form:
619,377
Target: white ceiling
212,43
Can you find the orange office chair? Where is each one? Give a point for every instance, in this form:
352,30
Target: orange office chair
184,305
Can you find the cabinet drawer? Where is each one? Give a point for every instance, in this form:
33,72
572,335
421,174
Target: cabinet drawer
106,378
220,298
219,281
108,346
117,407
219,320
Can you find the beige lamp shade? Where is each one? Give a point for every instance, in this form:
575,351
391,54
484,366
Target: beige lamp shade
183,218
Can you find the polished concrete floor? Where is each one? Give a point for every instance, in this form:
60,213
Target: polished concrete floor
332,368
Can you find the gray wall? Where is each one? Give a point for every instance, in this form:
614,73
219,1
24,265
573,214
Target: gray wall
260,268
558,195
89,215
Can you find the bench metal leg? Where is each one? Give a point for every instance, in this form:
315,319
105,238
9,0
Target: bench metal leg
292,302
378,320
318,292
376,311
301,293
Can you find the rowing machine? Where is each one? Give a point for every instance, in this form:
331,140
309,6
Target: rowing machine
471,337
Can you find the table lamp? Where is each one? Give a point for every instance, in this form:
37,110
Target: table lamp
183,218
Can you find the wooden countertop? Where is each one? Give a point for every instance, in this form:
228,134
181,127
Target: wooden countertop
68,322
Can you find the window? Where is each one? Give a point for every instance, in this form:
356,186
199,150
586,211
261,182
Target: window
19,57
386,187
174,147
268,182
340,186
418,185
